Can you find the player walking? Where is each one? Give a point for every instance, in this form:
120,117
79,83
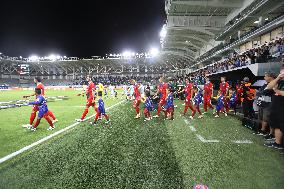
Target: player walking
207,95
100,110
224,88
162,92
137,97
42,110
35,108
90,98
188,91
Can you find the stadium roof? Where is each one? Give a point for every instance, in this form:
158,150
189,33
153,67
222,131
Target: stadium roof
194,25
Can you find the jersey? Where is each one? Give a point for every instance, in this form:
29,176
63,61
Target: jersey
101,107
125,89
169,101
220,103
41,104
197,98
136,91
233,99
100,87
148,104
208,87
163,90
187,90
142,90
90,89
239,90
41,86
224,87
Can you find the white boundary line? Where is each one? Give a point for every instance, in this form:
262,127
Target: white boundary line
10,156
242,141
206,141
190,126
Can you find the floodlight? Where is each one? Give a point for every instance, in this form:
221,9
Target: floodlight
126,54
52,57
33,58
163,32
154,52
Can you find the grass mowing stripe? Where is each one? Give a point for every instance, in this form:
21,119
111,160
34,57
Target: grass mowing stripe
128,153
49,137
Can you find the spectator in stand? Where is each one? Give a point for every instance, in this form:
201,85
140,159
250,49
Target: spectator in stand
277,116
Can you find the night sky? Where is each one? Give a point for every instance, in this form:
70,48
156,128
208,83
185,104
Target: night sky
81,28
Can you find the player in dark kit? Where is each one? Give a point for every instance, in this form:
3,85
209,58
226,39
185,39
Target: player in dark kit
90,98
100,110
35,108
42,110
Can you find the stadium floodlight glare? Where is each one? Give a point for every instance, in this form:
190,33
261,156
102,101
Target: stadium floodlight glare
163,32
127,54
154,52
33,58
52,57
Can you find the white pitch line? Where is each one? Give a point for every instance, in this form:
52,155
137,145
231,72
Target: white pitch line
190,126
10,156
206,141
242,141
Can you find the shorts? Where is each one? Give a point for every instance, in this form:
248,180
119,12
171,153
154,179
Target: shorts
91,102
162,101
207,99
187,100
136,102
264,114
35,108
42,112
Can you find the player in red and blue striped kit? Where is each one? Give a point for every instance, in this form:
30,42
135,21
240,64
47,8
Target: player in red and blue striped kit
197,100
169,106
148,106
220,103
42,110
233,98
100,110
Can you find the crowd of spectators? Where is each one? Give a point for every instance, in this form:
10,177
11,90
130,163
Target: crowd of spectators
261,54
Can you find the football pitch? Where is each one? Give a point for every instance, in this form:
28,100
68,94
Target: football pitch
131,153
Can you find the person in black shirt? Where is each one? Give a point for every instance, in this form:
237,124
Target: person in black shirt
248,99
264,102
277,110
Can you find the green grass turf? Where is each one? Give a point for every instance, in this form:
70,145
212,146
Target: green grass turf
13,137
157,154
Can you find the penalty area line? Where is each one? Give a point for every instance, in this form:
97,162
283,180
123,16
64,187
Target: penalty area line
10,156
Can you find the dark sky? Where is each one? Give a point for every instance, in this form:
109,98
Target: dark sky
80,28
